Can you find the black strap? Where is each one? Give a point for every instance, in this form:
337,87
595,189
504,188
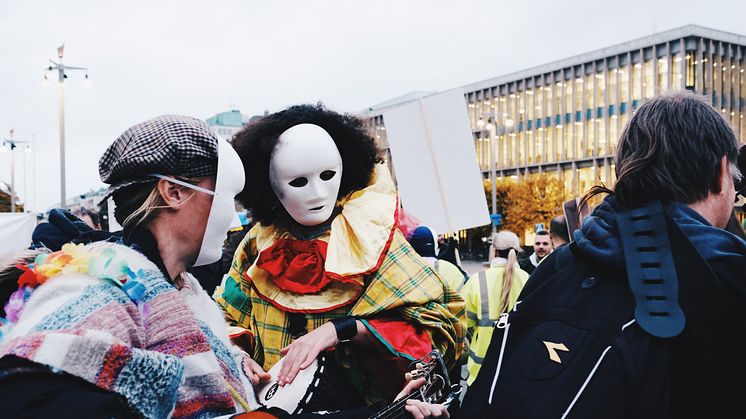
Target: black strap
650,270
297,325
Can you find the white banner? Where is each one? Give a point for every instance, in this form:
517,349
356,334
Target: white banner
15,231
433,155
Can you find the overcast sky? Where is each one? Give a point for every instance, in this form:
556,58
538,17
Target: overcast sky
198,58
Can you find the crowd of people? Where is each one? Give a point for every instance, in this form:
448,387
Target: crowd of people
322,305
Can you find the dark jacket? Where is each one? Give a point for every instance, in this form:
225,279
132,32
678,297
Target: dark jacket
689,375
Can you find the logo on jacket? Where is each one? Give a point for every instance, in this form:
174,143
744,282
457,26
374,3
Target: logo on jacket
552,348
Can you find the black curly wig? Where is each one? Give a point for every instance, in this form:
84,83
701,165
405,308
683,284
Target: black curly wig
255,143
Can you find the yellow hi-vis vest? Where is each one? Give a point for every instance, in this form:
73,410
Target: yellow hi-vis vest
483,292
450,274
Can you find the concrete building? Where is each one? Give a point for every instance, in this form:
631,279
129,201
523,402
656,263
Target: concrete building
226,124
564,118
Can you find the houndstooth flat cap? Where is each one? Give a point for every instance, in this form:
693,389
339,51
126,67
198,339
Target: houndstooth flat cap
168,145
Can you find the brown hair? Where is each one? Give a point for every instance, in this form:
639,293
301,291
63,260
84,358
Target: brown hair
671,150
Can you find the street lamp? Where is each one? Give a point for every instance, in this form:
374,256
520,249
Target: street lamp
61,68
490,127
12,144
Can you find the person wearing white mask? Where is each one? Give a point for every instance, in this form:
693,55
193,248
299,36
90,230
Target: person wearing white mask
326,266
117,327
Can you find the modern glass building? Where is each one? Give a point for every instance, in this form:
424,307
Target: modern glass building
564,118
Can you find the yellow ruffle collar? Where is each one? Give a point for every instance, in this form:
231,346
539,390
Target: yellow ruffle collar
358,240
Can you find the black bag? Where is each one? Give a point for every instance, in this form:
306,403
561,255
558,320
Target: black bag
573,348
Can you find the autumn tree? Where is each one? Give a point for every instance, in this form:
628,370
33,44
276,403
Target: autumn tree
535,199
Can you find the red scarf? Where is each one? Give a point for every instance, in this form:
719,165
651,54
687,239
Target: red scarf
296,265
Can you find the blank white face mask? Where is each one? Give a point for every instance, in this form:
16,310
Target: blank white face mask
228,183
305,171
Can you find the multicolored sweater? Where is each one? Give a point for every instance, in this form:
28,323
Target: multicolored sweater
105,313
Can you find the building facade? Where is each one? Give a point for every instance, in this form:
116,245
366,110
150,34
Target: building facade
564,118
226,124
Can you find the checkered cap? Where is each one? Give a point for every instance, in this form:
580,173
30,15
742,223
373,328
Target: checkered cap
168,145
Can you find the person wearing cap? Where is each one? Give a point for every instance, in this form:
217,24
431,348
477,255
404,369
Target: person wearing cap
423,242
116,327
490,293
326,267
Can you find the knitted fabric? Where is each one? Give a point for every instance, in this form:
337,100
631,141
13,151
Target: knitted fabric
147,346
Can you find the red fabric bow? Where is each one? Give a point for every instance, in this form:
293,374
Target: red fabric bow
296,265
28,278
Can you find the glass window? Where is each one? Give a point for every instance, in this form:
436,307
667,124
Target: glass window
521,107
589,129
636,81
520,144
715,77
568,180
613,133
586,179
601,137
624,85
550,147
568,97
578,134
663,69
559,134
648,83
480,155
612,92
511,150
677,80
588,86
540,145
600,90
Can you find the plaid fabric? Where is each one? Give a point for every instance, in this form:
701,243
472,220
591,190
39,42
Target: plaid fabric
168,145
404,287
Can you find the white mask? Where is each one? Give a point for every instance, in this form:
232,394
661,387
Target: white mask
228,183
305,171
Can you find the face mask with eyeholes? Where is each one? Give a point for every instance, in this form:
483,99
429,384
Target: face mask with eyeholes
306,172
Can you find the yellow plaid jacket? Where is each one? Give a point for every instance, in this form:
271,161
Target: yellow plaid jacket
404,286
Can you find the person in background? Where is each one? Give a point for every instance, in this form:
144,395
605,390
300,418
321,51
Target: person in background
89,216
490,293
542,247
423,242
558,231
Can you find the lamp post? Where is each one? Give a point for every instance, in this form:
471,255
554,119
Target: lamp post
61,68
490,128
12,144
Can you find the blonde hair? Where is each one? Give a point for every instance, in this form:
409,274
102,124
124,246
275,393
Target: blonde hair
508,276
153,201
504,240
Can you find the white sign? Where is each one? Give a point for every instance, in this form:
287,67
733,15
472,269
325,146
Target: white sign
433,155
15,231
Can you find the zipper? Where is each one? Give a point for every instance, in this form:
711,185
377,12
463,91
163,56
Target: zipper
501,322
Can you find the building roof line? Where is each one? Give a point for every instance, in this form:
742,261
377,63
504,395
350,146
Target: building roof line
643,42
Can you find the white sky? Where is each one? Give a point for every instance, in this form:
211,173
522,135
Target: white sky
198,58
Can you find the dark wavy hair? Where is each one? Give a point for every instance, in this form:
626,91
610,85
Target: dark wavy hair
255,143
671,150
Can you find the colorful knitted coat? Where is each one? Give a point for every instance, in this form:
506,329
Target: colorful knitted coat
105,313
